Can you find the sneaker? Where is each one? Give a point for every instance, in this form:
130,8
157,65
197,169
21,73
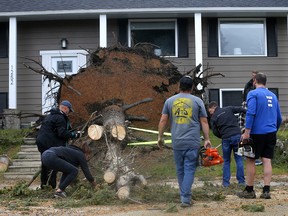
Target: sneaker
185,205
258,162
265,195
61,194
246,195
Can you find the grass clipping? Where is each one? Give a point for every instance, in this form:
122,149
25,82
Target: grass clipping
253,208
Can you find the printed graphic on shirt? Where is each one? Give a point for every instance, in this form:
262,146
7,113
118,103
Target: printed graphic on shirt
269,100
182,110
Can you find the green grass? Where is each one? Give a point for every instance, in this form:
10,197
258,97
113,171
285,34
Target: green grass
11,140
161,166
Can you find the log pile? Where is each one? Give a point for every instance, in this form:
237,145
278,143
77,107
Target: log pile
114,130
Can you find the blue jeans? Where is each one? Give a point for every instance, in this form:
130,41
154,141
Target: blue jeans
186,164
69,172
228,145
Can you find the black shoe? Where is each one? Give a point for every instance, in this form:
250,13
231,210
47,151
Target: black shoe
246,195
265,195
61,194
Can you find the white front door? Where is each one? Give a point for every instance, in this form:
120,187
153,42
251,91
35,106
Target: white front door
62,63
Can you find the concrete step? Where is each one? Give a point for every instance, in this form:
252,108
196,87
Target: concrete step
26,162
29,141
28,149
29,155
19,175
25,169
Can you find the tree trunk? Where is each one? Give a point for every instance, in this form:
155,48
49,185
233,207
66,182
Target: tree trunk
114,121
118,171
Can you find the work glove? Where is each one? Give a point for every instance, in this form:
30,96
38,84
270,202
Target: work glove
78,134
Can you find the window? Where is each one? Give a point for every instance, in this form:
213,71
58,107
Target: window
231,97
162,34
226,97
242,38
4,28
3,101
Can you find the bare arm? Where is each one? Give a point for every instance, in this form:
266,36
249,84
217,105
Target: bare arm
161,128
205,129
246,134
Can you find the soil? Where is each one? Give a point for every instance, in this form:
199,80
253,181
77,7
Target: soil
121,77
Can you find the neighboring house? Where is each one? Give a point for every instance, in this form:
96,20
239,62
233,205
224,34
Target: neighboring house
233,37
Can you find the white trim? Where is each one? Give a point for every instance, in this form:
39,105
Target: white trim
103,30
198,40
48,60
228,89
151,21
12,98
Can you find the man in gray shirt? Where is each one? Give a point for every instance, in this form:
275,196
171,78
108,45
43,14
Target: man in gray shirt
187,114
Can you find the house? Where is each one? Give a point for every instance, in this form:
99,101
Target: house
233,37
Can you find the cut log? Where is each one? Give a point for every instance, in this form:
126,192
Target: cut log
109,176
114,121
95,132
118,132
123,192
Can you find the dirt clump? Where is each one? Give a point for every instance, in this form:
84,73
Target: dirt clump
122,77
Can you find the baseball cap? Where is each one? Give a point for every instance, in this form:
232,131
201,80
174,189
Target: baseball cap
186,80
67,104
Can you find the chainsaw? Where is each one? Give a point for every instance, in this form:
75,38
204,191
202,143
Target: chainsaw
245,148
209,157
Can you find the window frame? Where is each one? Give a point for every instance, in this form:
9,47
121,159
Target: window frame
225,90
156,20
239,20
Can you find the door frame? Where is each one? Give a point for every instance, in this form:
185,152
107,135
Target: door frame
79,60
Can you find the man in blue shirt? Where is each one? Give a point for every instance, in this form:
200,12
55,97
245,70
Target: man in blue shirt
187,115
263,119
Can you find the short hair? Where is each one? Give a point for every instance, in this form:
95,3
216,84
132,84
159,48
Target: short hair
261,78
186,83
212,104
255,72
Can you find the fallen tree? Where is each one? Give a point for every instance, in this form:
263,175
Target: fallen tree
121,87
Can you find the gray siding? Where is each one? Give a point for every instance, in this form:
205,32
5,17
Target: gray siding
237,71
4,68
46,35
187,64
36,36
